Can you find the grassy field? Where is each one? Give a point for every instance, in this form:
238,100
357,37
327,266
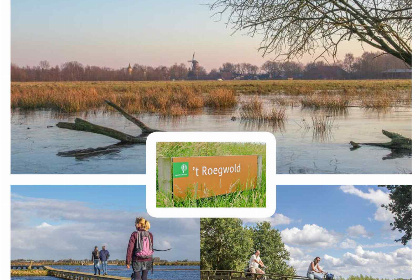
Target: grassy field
249,198
180,97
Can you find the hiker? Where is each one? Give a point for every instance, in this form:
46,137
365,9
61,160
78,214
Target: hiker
314,268
140,250
254,262
104,256
95,259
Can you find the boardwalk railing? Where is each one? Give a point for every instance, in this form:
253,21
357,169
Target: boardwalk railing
242,275
25,267
76,275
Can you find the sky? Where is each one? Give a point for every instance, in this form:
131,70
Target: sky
345,226
62,222
114,33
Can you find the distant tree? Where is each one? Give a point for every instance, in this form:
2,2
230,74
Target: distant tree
291,69
214,74
273,252
72,71
45,65
400,206
348,62
178,72
272,68
296,27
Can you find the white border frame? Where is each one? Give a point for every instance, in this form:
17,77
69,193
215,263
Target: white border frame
206,212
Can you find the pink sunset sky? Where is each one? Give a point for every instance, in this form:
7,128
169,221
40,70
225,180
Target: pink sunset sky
115,33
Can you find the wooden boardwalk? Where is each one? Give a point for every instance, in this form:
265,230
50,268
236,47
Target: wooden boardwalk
242,275
77,275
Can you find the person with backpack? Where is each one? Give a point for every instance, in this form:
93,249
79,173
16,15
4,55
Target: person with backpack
95,260
314,268
104,256
140,250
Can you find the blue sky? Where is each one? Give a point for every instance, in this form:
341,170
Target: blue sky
68,221
344,225
114,33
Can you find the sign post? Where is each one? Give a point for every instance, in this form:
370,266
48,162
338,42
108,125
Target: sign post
207,176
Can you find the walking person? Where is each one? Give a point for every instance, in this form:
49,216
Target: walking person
140,250
95,260
314,268
104,256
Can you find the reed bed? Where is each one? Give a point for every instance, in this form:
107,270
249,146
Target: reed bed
28,272
324,100
322,127
253,111
221,98
371,102
158,97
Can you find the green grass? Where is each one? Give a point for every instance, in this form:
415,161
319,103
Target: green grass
249,198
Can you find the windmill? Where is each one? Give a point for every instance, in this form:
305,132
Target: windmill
193,74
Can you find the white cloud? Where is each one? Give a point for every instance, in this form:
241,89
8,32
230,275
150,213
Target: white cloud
44,225
310,235
357,231
294,251
332,262
70,229
377,197
381,245
396,264
275,220
348,244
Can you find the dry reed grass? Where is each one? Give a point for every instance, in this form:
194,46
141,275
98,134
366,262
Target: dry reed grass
252,110
159,97
221,98
370,101
325,100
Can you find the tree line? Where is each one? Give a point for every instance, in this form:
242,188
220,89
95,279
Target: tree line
370,65
226,244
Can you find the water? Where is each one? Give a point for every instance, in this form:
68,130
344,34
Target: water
160,272
299,149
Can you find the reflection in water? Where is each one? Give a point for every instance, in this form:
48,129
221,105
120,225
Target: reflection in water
259,125
299,149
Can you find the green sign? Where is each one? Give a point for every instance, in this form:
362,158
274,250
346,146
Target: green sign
180,169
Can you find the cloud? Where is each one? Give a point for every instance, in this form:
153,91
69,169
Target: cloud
294,252
377,197
70,229
358,231
310,235
348,243
275,220
395,264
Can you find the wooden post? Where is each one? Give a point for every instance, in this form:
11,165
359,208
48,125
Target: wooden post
259,173
165,175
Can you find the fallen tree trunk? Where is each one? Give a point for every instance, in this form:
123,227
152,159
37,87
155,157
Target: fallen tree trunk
398,142
144,128
124,138
82,125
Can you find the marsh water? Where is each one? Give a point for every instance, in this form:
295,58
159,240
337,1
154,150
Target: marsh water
160,272
300,148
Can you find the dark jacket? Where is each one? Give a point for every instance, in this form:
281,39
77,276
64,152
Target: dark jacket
130,257
95,255
104,255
